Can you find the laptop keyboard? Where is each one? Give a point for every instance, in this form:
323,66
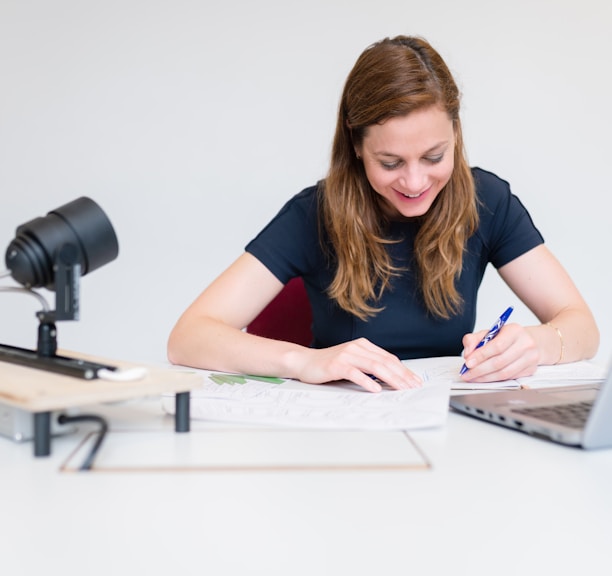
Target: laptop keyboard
572,415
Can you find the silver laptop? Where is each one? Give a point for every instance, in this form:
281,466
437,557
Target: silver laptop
578,415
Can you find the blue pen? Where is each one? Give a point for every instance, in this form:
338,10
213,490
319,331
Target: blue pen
491,333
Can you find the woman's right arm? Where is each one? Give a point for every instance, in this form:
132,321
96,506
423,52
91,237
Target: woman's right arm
210,335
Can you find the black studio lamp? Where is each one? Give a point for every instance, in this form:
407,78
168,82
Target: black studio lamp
53,252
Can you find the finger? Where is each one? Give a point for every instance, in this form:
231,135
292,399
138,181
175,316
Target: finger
386,367
370,374
399,378
506,366
492,349
496,368
364,380
470,341
393,374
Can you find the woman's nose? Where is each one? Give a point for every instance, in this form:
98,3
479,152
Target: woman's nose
413,180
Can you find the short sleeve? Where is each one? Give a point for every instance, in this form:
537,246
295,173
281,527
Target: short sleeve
288,245
506,227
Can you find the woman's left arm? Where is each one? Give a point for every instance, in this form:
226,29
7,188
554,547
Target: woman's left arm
568,331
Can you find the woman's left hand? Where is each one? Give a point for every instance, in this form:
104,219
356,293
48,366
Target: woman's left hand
513,353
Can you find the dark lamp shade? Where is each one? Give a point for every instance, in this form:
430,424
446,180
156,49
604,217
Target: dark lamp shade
78,232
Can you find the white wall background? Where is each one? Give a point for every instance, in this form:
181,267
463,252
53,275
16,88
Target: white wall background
191,122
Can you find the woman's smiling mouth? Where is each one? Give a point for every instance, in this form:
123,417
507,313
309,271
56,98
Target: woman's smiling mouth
411,196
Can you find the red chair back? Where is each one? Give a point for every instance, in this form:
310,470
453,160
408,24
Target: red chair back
288,317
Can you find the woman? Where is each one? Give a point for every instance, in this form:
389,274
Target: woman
392,247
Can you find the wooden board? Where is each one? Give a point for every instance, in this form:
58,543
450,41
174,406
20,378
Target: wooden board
41,391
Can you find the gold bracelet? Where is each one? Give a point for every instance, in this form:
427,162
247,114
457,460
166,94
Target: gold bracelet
560,340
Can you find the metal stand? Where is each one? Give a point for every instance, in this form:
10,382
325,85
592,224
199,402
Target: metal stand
59,364
42,433
45,357
181,413
66,271
42,424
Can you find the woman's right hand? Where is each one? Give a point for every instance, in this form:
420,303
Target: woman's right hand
209,335
359,361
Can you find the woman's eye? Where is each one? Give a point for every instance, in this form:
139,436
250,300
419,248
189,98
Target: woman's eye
391,165
397,163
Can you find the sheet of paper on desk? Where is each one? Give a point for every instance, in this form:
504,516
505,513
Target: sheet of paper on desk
447,368
239,398
571,374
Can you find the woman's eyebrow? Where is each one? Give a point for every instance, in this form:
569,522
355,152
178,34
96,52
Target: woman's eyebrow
434,148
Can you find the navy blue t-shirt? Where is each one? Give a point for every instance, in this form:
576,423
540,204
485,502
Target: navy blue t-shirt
290,245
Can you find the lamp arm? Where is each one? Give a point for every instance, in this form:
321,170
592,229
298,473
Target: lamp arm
22,289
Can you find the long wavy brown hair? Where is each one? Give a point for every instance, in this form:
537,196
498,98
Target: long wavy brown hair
391,78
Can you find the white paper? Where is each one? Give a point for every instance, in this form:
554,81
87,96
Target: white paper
571,374
447,369
337,405
248,399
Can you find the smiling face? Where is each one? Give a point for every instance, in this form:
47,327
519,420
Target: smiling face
409,159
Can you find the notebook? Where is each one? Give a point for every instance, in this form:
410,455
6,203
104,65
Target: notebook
579,415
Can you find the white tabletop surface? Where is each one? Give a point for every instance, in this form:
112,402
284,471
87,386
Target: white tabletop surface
492,501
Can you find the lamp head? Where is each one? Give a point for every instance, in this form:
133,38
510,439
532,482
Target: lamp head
77,233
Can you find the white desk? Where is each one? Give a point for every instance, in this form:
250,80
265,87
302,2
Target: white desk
493,502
